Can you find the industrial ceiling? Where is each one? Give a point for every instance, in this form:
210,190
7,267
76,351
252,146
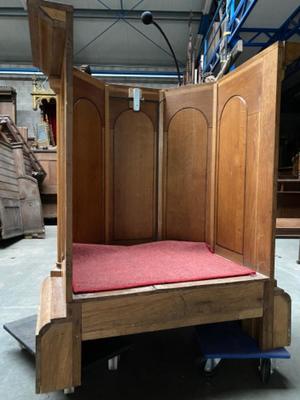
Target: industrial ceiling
109,33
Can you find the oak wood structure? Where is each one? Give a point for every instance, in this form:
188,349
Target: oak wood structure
197,163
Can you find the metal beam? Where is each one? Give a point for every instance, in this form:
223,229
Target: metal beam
133,14
264,37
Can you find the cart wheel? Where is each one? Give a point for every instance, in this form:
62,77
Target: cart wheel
113,363
69,390
265,370
211,366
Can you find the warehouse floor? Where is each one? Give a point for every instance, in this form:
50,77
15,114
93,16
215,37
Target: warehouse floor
163,365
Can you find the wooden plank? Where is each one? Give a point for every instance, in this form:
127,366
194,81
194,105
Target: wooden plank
4,166
8,194
169,286
169,309
229,254
7,159
11,187
211,174
251,190
160,169
6,151
5,173
68,153
7,179
107,169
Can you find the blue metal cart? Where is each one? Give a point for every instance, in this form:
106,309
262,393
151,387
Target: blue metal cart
227,340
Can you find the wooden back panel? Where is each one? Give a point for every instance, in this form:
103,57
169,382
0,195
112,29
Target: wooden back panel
247,140
133,165
187,154
88,159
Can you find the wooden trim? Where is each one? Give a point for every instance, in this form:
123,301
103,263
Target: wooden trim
107,168
229,254
68,128
160,159
212,283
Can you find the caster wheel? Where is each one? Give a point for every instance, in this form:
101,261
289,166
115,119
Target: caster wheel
211,367
113,363
265,370
69,390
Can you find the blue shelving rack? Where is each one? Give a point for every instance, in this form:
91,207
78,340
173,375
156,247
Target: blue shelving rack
223,31
225,28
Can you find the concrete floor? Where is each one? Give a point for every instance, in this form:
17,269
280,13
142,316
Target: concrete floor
159,366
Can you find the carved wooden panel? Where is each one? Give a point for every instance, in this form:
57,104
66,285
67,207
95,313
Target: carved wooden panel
186,159
231,175
134,177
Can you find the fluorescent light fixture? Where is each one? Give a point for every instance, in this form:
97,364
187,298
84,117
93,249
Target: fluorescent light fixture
19,72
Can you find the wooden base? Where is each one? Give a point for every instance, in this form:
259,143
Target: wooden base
60,332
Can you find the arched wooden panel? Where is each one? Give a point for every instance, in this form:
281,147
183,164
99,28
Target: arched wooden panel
231,175
186,176
88,196
134,171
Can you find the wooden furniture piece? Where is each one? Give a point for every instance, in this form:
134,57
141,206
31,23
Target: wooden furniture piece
48,188
288,207
195,164
8,97
20,203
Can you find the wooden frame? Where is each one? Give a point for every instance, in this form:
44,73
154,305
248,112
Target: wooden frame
165,116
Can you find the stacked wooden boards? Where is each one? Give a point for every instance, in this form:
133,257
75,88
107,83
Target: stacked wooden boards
196,163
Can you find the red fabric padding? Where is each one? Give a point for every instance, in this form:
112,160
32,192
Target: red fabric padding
98,268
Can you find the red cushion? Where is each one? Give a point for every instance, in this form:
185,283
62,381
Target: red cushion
99,268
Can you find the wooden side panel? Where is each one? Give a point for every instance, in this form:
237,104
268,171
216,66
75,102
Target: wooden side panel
247,140
282,319
188,163
186,176
88,162
134,177
231,175
54,358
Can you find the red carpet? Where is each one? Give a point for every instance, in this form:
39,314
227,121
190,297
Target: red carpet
99,268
